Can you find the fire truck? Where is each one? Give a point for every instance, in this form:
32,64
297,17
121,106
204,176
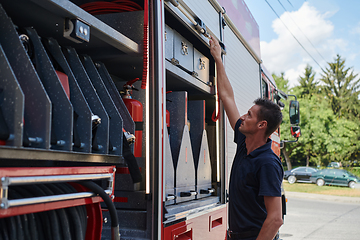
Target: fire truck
110,123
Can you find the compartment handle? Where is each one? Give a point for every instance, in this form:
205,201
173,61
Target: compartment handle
184,235
216,222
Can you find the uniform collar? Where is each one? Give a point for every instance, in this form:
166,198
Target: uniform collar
261,149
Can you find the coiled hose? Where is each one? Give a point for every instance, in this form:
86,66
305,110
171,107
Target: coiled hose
112,210
68,224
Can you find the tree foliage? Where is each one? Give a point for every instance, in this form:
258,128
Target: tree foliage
329,117
342,87
308,85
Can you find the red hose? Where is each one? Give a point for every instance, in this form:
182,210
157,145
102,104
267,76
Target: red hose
215,116
100,7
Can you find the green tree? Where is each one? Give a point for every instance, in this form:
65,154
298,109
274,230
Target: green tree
342,87
329,116
308,85
281,82
307,89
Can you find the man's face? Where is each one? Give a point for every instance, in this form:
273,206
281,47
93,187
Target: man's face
250,121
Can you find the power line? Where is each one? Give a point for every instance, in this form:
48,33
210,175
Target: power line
290,3
302,31
294,35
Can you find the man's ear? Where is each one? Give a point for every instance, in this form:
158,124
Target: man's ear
262,124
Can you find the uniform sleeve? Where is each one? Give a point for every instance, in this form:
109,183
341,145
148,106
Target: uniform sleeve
238,136
270,176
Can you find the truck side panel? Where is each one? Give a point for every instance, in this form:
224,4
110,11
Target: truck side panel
243,73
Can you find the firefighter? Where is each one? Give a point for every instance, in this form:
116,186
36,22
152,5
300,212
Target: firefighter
255,209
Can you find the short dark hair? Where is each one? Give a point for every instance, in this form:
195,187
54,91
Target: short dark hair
270,112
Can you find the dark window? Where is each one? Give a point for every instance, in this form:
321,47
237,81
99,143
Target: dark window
264,89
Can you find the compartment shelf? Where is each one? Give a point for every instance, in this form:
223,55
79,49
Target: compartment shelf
11,153
55,12
179,80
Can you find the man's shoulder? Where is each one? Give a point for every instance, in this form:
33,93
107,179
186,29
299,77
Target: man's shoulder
269,153
269,156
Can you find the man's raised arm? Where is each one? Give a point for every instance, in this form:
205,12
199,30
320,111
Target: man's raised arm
226,92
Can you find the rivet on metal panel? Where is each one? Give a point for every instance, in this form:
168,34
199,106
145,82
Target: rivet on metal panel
175,61
194,74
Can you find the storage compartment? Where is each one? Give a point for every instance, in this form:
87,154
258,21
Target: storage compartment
191,101
183,53
201,67
77,104
62,70
65,73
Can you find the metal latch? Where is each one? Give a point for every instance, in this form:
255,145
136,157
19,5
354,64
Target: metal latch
184,48
207,191
77,30
170,197
201,27
201,64
188,194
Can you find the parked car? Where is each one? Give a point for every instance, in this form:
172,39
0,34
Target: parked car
299,174
339,177
334,165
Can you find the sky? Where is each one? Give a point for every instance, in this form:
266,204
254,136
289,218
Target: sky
324,28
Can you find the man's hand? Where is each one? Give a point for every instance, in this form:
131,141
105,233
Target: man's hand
215,49
273,220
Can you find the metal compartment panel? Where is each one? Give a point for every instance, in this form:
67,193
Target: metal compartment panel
183,52
201,66
37,112
169,43
62,110
185,170
12,102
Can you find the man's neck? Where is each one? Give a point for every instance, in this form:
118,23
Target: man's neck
253,142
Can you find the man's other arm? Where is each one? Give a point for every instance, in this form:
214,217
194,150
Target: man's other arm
226,92
273,220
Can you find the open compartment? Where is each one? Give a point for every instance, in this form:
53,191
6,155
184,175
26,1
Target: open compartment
191,102
76,65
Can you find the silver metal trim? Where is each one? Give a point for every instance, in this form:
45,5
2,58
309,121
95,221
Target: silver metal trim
13,181
188,213
217,6
98,28
5,182
188,19
47,199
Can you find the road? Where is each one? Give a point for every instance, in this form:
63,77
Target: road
320,217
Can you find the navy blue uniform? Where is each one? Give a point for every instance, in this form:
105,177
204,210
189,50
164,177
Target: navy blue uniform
252,177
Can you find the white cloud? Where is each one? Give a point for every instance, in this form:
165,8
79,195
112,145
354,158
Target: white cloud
284,54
